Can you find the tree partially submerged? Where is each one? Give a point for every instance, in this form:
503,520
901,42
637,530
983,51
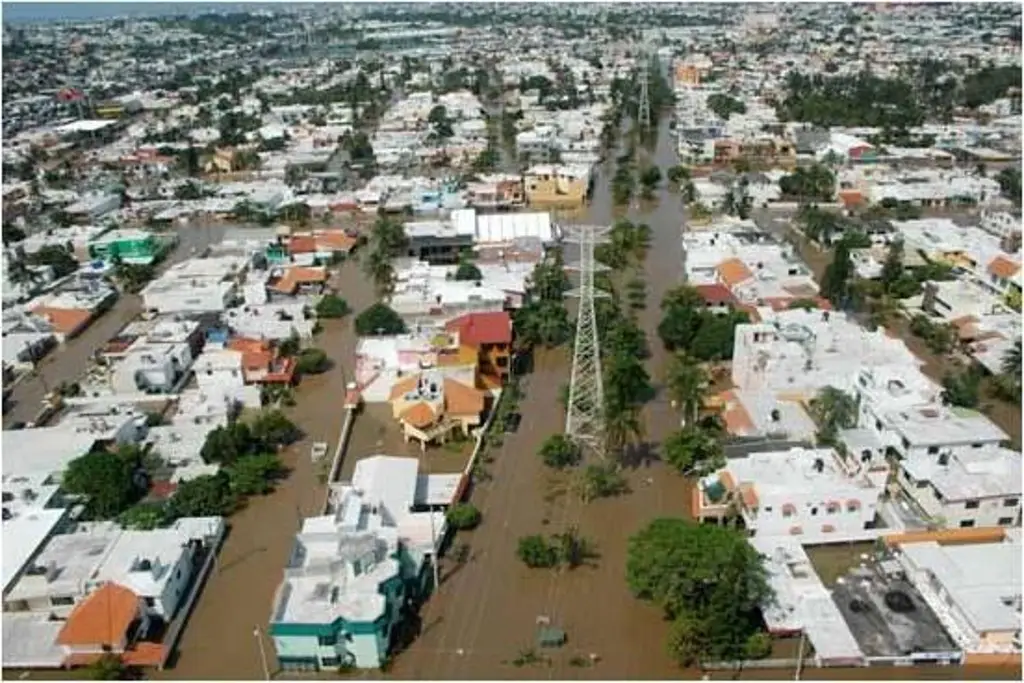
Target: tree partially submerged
708,580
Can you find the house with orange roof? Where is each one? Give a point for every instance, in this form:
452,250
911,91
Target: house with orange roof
430,406
1004,274
111,620
293,280
490,334
261,362
733,272
67,323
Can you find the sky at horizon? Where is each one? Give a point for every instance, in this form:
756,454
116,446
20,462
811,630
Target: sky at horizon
39,12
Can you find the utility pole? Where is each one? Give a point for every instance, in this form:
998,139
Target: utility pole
585,419
258,635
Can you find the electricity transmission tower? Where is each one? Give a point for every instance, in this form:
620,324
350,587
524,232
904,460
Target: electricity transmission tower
584,420
644,74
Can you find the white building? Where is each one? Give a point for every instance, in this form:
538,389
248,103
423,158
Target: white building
972,488
351,570
974,589
812,494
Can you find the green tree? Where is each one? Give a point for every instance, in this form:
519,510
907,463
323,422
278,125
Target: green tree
832,410
468,271
678,174
725,106
707,579
694,451
269,430
12,234
559,451
835,283
110,482
1011,360
892,268
536,552
688,384
254,474
57,257
312,362
463,516
143,516
962,389
332,306
108,667
379,319
1009,184
602,480
208,495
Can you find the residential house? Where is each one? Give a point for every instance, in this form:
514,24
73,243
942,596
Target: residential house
557,186
810,493
430,406
130,246
491,335
974,590
352,571
980,487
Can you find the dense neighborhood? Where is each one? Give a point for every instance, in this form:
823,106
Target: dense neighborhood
461,341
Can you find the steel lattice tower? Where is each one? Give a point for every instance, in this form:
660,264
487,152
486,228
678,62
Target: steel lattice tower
584,420
644,74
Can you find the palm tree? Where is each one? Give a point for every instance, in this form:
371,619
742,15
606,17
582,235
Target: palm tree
1011,361
378,267
832,410
622,428
687,384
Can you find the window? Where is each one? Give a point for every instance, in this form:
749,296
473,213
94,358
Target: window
150,602
933,450
1010,503
906,443
971,505
502,361
177,574
814,511
967,524
767,509
922,484
330,661
1006,521
62,600
327,641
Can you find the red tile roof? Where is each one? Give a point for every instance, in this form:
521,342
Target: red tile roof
102,618
716,294
482,328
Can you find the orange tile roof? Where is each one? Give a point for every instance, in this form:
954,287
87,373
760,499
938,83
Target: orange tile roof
301,244
300,275
460,399
748,494
66,321
733,271
1003,267
403,387
256,353
419,415
102,618
334,240
737,420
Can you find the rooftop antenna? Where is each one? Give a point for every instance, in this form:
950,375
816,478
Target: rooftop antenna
584,420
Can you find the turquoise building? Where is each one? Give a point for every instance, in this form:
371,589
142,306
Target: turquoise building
354,573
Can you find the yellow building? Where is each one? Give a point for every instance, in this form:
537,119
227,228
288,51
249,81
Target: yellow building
430,406
565,187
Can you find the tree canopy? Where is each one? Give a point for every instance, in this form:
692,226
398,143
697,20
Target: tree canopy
708,580
379,319
687,324
111,481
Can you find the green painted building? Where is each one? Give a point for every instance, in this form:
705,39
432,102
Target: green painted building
131,246
349,583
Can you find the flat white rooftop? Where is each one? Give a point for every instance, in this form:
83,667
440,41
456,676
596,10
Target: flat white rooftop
982,579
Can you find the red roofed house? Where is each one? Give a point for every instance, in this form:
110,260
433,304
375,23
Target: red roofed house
491,335
111,619
717,297
261,363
